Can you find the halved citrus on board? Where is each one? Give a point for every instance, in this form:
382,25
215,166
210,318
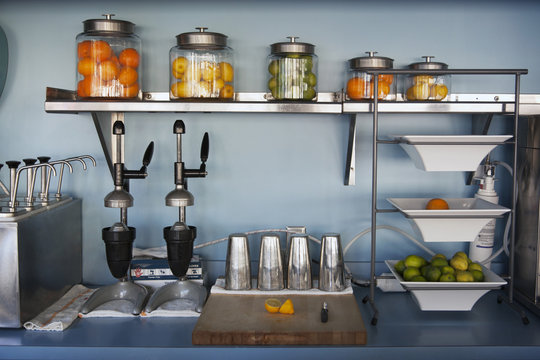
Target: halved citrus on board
287,307
272,305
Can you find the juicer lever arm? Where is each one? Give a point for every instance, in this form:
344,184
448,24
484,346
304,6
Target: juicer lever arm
205,149
141,173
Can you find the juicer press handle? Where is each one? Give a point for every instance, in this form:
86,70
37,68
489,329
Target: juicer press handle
141,173
205,149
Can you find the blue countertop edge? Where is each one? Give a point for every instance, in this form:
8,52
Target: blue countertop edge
491,330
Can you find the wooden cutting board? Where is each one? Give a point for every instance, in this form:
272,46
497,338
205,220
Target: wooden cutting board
242,320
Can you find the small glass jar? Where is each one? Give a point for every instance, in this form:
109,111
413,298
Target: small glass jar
201,66
292,68
108,59
428,87
360,83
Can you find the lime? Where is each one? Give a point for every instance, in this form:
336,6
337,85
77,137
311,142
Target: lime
293,56
415,261
308,63
272,83
461,254
310,79
464,276
459,263
477,275
424,270
436,256
273,67
433,274
410,272
447,278
448,270
419,278
400,266
309,93
475,266
439,262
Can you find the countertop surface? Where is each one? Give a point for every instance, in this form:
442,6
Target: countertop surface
491,330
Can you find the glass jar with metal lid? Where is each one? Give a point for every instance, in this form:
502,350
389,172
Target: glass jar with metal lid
360,84
428,87
201,66
108,59
292,68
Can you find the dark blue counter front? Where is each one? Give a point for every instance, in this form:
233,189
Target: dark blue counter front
489,331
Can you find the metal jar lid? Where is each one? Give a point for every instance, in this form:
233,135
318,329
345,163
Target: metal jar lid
108,25
428,64
292,46
201,38
371,62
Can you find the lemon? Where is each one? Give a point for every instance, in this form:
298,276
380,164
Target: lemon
179,66
227,71
477,275
439,262
272,305
182,89
415,261
287,307
464,276
475,266
419,278
447,278
448,270
410,93
410,272
423,79
461,254
400,266
438,256
459,263
433,274
421,91
438,92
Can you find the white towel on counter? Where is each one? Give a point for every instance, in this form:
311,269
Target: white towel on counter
219,288
60,315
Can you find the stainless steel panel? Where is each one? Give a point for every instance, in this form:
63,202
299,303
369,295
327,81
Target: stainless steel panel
40,259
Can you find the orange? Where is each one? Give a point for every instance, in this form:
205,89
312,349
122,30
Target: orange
127,76
227,92
87,66
227,71
287,307
130,91
83,49
437,204
384,89
388,78
272,305
83,88
108,70
129,57
356,88
182,89
179,66
100,50
90,86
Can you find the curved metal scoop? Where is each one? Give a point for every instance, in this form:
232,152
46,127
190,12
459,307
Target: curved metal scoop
183,295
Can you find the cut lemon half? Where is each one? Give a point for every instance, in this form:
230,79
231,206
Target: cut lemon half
287,307
272,305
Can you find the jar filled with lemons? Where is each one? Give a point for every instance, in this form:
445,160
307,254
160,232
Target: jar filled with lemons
427,87
201,66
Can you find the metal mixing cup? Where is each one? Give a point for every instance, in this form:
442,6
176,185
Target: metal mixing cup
270,275
331,275
299,263
238,266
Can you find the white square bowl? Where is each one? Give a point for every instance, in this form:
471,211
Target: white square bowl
462,222
448,296
449,152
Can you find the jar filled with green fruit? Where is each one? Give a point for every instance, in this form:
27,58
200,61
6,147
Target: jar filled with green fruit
427,87
292,68
360,84
201,66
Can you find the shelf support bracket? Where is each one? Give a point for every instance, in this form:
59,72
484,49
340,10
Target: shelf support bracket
106,139
350,178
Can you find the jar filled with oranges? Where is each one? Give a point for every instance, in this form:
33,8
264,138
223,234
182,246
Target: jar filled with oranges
292,70
427,87
360,83
201,66
108,59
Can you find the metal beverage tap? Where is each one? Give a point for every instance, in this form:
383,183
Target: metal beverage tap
15,179
76,158
30,179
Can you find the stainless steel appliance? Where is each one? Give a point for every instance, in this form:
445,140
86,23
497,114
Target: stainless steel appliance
527,260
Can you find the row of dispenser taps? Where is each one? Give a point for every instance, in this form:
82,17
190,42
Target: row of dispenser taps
31,167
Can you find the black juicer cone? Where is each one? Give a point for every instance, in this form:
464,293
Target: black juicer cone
179,249
119,247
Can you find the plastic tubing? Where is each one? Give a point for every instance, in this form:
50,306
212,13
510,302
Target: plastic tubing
213,242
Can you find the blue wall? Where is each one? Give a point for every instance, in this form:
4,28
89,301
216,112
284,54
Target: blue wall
265,170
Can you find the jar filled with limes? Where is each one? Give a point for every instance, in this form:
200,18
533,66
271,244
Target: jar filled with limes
201,66
292,70
360,83
108,59
427,87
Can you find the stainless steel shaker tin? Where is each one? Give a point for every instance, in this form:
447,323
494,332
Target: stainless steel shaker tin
270,276
238,266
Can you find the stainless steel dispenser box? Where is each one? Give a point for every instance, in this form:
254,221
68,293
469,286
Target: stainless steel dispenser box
527,260
40,259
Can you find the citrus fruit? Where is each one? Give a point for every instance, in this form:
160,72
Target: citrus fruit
415,261
475,266
227,71
217,85
420,91
193,72
205,89
356,88
410,94
433,274
129,57
309,93
419,278
447,270
86,66
127,76
438,256
272,305
100,50
477,275
83,49
287,307
310,79
181,89
410,272
227,92
438,92
130,91
437,204
210,71
439,262
424,270
273,67
423,79
179,66
107,70
447,278
464,276
459,263
387,78
461,254
400,266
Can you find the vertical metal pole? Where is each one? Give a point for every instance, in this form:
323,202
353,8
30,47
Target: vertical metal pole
374,185
514,192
